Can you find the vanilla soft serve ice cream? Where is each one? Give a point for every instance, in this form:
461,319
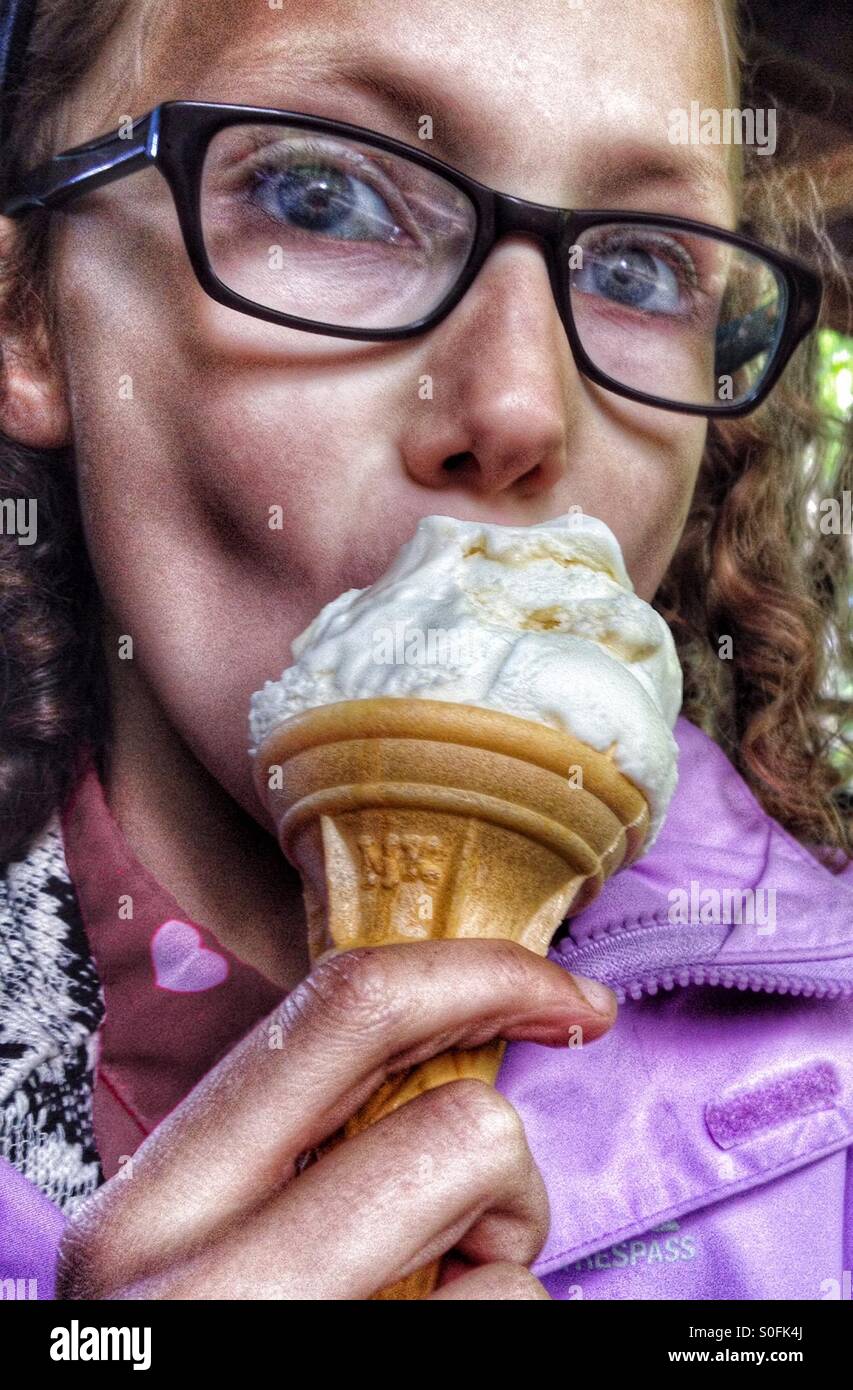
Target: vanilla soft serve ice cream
537,621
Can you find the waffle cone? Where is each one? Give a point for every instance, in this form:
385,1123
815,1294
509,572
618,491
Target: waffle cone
416,820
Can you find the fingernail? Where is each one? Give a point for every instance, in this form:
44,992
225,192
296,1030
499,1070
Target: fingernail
327,955
597,995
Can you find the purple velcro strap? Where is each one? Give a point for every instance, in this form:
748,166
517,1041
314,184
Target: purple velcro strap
770,1103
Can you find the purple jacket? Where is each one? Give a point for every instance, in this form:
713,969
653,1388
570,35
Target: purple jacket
703,1148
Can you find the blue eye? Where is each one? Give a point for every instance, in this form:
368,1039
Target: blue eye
626,272
317,196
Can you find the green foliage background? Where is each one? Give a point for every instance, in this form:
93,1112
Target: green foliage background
835,382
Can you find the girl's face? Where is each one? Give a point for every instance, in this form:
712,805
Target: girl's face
190,421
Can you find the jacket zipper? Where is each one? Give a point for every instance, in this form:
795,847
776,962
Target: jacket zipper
730,977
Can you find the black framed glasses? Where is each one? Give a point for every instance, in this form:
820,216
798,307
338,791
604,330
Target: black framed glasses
331,228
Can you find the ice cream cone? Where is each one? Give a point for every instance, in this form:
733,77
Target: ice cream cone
415,819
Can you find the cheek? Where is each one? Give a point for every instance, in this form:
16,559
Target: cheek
228,490
269,447
635,468
164,446
660,503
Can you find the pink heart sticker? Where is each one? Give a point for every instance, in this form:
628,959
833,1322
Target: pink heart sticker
181,963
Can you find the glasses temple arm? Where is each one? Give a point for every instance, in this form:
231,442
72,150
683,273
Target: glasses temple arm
84,168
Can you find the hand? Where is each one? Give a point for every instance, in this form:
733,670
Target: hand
214,1207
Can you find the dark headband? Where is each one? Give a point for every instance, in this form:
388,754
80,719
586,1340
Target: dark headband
16,26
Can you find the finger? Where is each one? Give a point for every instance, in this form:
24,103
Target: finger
357,1019
490,1283
389,1201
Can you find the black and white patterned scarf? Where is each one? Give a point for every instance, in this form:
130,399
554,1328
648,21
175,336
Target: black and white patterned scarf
51,1006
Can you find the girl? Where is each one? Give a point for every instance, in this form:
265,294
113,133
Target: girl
209,399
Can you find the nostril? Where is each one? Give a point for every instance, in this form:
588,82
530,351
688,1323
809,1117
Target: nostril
454,463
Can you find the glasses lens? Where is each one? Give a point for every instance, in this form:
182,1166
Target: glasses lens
330,229
679,315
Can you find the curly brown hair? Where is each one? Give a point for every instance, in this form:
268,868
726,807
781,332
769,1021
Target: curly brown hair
752,563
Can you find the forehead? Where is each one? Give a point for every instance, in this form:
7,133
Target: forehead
516,93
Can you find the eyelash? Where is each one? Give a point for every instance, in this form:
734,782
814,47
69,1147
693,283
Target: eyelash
307,150
677,255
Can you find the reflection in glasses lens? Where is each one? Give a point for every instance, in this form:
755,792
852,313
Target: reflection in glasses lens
329,229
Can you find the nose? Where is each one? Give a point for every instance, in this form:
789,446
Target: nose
505,388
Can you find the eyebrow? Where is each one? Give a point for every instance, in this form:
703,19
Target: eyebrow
405,99
629,166
610,167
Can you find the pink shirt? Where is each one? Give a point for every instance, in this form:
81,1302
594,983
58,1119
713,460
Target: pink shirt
176,999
